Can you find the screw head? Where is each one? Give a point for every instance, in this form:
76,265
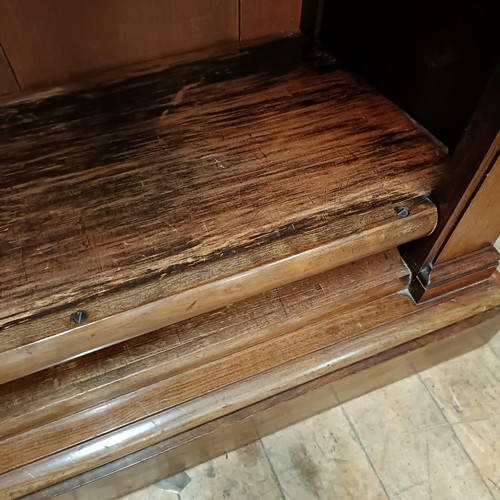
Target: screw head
79,317
402,212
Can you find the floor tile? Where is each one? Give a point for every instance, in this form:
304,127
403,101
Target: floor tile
413,449
322,458
494,344
244,473
431,436
241,474
151,493
466,388
481,439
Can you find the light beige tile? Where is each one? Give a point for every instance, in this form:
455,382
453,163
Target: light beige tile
322,458
468,387
243,474
412,447
481,439
151,493
495,344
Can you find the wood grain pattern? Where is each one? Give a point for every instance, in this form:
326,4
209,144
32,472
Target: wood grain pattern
355,335
125,367
479,226
54,41
249,424
8,83
259,18
378,230
452,275
468,255
131,193
477,151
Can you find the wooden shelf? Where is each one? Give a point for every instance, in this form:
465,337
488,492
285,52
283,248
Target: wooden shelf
122,399
171,354
167,195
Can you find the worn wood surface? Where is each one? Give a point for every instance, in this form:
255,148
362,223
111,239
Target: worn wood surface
215,438
378,230
260,18
109,373
122,195
189,370
301,356
55,41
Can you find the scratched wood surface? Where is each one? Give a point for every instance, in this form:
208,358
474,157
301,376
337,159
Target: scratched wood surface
306,354
117,194
108,373
219,437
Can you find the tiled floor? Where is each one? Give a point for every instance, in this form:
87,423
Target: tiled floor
431,436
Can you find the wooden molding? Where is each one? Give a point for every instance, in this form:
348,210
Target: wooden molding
240,428
148,201
452,275
333,343
474,157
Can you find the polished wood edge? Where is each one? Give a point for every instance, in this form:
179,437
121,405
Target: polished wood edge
449,276
80,340
217,437
383,325
185,346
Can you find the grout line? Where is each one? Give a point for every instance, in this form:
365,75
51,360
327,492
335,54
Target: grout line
273,472
497,355
450,425
358,439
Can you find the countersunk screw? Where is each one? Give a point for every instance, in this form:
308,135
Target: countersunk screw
79,316
402,212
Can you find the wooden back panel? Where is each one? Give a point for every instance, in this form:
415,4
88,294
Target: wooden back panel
431,58
52,42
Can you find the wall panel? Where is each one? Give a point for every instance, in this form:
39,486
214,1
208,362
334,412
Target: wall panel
265,17
52,41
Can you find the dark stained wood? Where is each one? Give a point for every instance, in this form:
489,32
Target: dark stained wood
259,18
479,225
220,436
359,333
123,196
310,17
431,58
422,293
118,370
455,274
8,83
476,154
468,255
54,41
377,230
449,270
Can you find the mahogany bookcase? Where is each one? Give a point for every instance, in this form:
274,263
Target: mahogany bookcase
219,218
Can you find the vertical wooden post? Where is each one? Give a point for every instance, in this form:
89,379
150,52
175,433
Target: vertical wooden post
460,252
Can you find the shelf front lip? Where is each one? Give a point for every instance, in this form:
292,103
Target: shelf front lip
395,329
66,345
